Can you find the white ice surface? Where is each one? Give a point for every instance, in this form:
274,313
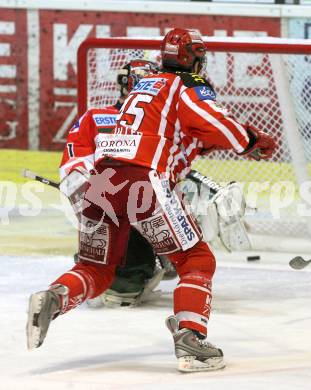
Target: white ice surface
261,319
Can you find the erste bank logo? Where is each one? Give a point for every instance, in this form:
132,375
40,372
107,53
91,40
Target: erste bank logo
104,119
151,86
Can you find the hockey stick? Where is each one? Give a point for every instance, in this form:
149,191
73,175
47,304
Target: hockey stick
193,175
299,262
32,175
213,186
201,179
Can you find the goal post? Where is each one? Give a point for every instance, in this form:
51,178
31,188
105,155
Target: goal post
291,126
265,82
130,46
127,45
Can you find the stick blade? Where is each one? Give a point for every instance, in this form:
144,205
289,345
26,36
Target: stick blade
298,263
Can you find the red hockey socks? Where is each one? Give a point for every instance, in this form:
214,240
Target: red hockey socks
192,296
84,281
192,301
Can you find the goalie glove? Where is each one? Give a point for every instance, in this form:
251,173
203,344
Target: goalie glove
261,145
219,210
74,186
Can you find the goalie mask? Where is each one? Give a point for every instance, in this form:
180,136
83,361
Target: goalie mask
132,72
184,50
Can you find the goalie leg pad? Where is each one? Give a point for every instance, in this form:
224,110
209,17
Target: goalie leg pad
230,204
223,216
234,236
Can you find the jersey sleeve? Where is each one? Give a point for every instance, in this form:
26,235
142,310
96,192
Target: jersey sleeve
202,117
80,146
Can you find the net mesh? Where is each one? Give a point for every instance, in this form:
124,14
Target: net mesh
246,83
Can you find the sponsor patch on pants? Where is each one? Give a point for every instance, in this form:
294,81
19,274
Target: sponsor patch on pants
158,232
94,241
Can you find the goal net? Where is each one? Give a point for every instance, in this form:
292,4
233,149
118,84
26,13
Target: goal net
265,83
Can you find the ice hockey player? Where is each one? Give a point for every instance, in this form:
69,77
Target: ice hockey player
166,117
135,281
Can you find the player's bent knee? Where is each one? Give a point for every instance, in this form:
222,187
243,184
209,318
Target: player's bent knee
199,258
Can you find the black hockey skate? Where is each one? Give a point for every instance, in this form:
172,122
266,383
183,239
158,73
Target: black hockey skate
193,353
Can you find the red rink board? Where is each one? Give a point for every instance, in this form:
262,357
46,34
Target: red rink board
59,34
13,80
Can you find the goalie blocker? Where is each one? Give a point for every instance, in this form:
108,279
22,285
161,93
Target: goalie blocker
219,210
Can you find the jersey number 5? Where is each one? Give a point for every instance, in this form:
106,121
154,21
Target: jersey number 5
132,113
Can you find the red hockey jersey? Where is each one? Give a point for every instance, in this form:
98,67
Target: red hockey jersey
81,141
167,120
165,123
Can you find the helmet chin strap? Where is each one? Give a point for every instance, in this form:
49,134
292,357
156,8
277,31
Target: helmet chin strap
197,66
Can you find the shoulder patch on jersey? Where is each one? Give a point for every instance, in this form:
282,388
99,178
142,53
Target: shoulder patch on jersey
76,126
205,93
200,85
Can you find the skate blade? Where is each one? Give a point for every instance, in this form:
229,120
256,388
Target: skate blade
191,364
33,331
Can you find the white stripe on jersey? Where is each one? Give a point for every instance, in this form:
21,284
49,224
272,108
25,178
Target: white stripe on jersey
192,146
236,124
179,157
157,155
163,122
184,153
167,106
174,148
171,158
214,122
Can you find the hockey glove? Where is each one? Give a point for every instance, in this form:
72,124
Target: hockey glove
74,186
261,145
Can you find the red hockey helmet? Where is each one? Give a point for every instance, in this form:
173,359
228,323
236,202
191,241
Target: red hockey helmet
132,72
182,48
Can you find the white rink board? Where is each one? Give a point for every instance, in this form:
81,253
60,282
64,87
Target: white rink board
261,318
171,7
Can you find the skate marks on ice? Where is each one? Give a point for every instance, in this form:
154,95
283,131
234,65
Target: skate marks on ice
162,373
261,320
124,364
111,362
